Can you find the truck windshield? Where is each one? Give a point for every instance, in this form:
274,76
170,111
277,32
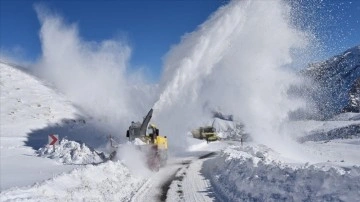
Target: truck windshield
150,131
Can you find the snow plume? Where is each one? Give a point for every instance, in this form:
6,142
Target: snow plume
236,62
134,159
94,75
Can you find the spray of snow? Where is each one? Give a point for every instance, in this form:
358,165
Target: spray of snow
134,159
94,75
236,62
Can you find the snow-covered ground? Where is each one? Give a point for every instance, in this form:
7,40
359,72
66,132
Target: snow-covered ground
254,173
70,152
27,105
110,181
31,170
218,171
331,172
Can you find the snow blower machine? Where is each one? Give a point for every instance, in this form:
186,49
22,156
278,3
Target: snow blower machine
147,137
208,133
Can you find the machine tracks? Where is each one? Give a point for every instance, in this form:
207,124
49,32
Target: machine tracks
181,180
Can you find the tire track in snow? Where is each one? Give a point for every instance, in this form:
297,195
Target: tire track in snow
190,184
207,155
166,186
157,184
181,180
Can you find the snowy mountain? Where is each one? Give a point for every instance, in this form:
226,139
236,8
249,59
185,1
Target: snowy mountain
354,93
336,86
324,164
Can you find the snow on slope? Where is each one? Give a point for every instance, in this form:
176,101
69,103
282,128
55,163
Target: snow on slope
29,108
327,130
26,105
336,84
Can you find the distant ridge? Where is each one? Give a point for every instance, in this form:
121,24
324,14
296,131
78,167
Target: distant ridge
337,83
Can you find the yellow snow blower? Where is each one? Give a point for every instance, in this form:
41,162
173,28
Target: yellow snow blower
147,137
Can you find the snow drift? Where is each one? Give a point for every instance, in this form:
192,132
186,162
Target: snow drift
71,152
253,174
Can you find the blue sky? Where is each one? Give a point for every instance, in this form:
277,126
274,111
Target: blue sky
335,22
151,27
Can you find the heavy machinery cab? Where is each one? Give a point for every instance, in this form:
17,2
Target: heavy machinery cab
153,133
154,138
146,132
137,129
208,133
134,131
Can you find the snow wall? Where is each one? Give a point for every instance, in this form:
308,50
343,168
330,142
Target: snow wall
252,174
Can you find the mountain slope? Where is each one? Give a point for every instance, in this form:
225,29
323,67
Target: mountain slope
27,105
354,103
26,100
337,83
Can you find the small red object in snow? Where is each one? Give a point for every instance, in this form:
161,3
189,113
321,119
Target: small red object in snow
53,139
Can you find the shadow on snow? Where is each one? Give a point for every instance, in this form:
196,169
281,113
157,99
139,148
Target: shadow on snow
79,130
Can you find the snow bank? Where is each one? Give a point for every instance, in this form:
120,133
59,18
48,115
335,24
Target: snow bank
71,152
248,174
110,181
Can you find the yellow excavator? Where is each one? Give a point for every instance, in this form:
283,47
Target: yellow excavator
150,141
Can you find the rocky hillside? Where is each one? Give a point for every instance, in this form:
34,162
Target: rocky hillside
336,83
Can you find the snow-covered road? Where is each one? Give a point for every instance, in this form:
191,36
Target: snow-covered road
181,180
